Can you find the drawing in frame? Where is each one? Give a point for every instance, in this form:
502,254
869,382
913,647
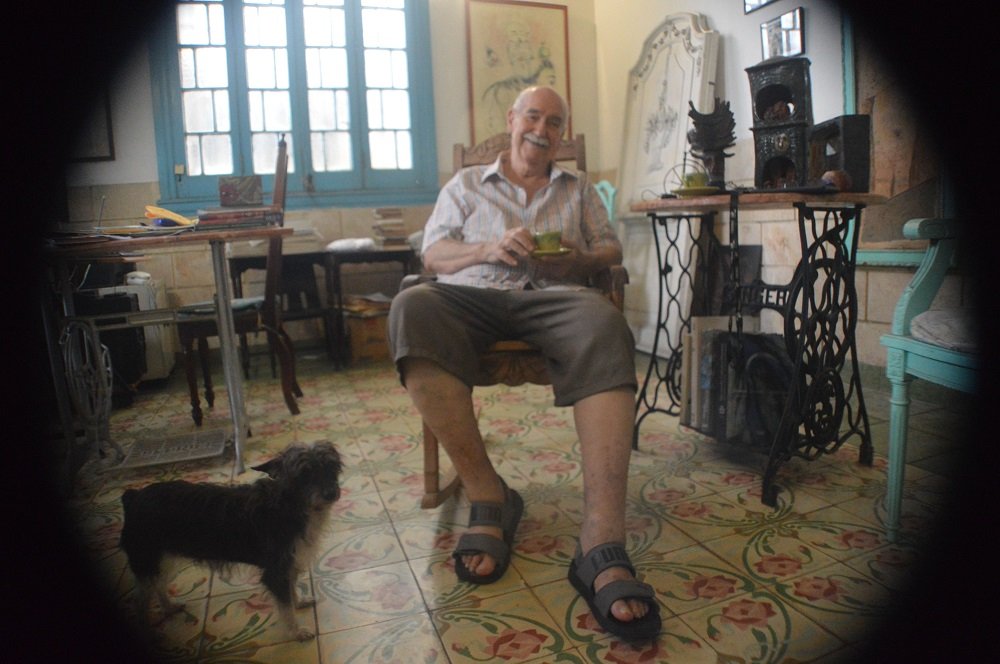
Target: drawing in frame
782,35
512,46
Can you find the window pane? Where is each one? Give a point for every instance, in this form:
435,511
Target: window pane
400,74
211,67
333,62
378,69
260,68
255,106
391,4
321,110
383,28
192,152
221,98
187,69
324,3
216,25
343,110
404,150
264,26
395,109
324,27
277,111
265,153
332,151
199,112
374,110
382,145
192,24
217,154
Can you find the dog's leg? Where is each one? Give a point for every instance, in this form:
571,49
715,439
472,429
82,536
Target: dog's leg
282,586
300,601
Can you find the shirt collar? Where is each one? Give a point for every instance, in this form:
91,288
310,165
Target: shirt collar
556,172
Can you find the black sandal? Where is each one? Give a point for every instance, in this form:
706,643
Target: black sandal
505,516
582,572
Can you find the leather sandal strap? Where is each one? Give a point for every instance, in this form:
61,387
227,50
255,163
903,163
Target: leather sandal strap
600,558
624,589
473,543
486,514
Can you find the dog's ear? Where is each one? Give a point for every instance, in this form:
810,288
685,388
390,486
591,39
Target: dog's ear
270,468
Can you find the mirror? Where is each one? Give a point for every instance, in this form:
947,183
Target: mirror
782,35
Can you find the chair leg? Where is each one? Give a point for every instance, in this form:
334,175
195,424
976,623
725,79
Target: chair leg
206,371
899,411
289,386
434,494
192,381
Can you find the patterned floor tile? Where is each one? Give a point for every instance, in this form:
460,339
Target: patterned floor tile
513,626
759,627
366,596
247,621
841,599
409,640
441,587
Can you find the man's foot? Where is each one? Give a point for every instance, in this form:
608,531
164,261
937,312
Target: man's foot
623,606
483,552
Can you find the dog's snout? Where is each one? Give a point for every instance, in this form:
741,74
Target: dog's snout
331,493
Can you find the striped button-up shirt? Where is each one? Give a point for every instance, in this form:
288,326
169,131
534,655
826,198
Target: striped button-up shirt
479,204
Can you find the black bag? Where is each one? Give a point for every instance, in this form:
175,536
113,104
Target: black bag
753,378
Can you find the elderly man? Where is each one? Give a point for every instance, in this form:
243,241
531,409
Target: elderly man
479,240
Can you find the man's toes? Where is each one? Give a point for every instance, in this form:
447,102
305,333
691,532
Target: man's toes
622,611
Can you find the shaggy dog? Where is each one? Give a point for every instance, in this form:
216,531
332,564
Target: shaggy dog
273,524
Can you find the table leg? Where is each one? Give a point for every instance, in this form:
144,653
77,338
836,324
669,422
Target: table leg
230,355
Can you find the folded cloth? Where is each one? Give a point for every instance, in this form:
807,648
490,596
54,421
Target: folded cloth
351,244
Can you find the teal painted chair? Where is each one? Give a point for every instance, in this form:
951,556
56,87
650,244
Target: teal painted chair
937,345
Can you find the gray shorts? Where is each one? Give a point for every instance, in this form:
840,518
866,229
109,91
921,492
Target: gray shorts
585,339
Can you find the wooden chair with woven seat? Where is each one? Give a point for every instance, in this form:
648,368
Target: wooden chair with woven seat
250,315
507,362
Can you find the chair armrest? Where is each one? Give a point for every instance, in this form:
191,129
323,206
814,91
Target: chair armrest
611,281
923,287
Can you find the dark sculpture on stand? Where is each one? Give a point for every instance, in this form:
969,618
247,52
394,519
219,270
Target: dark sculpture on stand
711,135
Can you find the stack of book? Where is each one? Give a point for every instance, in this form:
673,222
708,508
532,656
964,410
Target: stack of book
220,218
389,233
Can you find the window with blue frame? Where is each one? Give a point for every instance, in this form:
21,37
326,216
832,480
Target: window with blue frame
347,82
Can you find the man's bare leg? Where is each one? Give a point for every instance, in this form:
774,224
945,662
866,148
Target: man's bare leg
445,403
604,423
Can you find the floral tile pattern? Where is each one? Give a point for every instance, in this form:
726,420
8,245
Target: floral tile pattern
736,581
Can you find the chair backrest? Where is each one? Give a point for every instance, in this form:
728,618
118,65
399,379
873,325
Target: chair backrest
271,309
486,152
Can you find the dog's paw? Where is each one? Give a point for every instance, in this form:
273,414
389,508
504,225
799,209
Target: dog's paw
170,608
305,602
303,634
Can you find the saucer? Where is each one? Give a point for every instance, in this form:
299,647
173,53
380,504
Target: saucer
538,253
685,192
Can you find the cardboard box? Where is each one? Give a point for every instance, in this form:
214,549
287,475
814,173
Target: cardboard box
367,335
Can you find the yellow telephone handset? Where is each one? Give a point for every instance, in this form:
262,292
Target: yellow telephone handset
153,212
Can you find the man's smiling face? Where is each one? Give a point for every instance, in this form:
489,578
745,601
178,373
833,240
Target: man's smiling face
536,125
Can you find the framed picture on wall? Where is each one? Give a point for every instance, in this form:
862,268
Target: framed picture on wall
95,142
782,35
512,45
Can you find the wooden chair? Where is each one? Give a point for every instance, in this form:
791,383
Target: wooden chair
936,345
250,314
507,362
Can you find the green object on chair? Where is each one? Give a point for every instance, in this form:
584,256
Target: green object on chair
934,345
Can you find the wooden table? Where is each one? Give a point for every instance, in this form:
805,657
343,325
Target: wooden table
105,248
819,329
